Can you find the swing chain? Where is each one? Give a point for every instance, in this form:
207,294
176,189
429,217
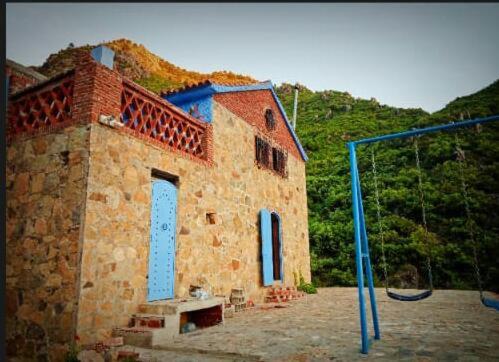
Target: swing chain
461,159
423,210
378,215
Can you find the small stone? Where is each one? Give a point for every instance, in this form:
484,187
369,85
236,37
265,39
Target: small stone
184,231
35,332
235,264
39,145
97,196
141,197
37,182
119,254
21,184
90,356
113,342
54,280
59,308
216,241
51,181
40,226
88,285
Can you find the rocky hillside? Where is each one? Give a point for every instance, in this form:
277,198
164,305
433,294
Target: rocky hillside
136,62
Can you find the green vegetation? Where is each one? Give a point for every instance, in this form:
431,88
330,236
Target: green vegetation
156,84
327,120
302,285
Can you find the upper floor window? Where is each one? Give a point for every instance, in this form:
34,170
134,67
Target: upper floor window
262,152
269,119
270,157
279,161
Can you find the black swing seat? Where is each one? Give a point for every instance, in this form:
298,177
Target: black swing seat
409,298
491,303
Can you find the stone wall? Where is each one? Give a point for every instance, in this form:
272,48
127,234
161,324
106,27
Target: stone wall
219,256
45,205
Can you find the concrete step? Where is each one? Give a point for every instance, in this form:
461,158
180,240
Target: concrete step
176,306
144,336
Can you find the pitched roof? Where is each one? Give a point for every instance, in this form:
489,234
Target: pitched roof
208,88
25,70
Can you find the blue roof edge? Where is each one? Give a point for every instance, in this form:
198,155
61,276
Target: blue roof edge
210,89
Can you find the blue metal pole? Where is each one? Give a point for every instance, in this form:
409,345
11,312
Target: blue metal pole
367,261
420,131
358,249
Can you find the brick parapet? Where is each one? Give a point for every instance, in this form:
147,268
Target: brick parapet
98,90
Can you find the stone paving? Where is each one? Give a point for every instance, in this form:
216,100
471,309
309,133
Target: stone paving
449,326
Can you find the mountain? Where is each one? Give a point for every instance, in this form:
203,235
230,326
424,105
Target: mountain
139,64
329,119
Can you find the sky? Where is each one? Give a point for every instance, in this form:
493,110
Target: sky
404,55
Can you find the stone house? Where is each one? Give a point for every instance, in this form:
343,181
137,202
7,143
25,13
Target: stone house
117,196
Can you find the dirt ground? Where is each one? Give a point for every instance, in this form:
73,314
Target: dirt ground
449,326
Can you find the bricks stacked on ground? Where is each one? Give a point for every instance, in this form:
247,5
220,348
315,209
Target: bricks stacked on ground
238,299
282,294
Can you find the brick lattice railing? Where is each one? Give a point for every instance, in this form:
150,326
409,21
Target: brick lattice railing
44,106
148,115
91,90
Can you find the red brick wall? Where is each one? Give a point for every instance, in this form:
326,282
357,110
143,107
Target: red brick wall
18,81
251,106
97,91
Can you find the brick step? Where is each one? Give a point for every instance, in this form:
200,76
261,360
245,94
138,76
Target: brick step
144,336
135,336
147,320
285,293
283,298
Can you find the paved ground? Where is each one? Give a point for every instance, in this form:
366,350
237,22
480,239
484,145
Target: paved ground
449,326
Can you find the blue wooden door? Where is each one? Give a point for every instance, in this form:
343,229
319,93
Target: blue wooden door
266,236
162,245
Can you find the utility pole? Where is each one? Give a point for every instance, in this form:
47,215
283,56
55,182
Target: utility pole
295,106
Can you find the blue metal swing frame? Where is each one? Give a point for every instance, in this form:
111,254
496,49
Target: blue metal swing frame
362,258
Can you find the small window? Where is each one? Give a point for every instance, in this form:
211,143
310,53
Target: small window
279,161
262,149
269,119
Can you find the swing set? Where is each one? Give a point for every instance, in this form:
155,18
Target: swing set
362,258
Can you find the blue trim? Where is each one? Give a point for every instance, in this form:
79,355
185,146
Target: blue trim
207,90
191,94
420,131
290,128
358,249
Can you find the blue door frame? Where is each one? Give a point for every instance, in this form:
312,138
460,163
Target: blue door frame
162,243
362,258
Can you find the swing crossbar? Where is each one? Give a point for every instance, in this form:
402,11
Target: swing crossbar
362,258
420,131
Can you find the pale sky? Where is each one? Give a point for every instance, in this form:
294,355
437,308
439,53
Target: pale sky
405,55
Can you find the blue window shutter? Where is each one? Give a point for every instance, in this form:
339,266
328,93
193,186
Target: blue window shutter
266,236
